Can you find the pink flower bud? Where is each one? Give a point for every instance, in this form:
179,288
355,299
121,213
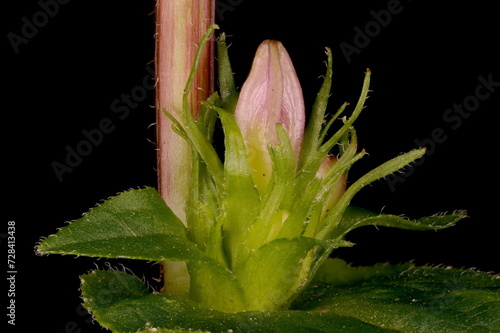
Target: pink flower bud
271,95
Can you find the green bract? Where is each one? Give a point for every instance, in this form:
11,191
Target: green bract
252,251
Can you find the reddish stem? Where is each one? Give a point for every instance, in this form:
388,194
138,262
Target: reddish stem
180,25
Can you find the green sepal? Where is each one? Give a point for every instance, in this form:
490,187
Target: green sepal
199,142
136,224
270,275
216,287
207,117
312,159
332,219
303,206
239,196
315,151
227,88
203,203
330,143
355,217
276,203
315,123
337,273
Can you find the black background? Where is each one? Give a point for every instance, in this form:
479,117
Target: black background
65,78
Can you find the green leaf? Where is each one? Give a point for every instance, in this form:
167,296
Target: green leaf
355,217
409,299
239,195
383,170
166,330
120,303
136,224
381,298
